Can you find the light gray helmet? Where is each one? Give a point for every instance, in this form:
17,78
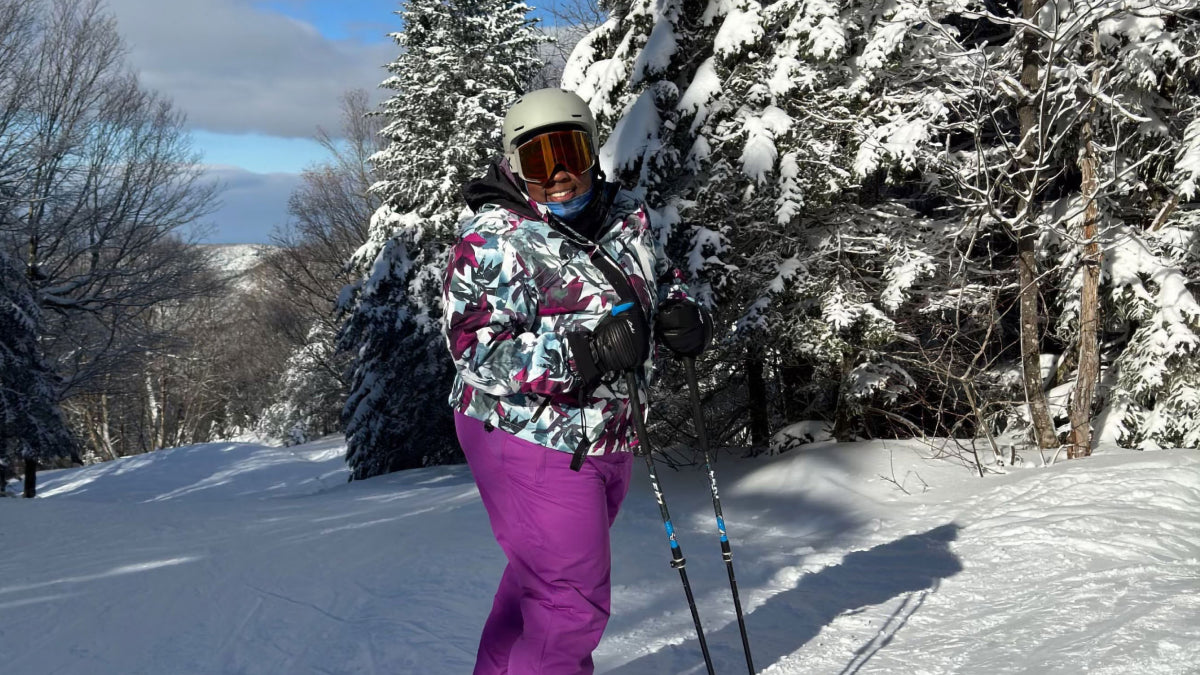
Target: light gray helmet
545,108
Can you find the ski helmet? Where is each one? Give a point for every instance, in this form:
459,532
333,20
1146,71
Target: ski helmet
545,108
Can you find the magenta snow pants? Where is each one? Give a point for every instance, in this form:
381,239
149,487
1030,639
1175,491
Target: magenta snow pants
552,523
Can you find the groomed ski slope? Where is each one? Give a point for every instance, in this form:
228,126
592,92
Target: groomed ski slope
239,558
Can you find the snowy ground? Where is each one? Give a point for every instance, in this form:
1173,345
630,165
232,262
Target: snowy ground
237,558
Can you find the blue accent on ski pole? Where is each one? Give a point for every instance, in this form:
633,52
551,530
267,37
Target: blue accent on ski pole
677,560
621,308
689,364
671,534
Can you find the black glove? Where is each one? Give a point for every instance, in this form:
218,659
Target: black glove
619,343
684,327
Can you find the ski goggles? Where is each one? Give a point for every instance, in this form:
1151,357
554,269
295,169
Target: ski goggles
538,157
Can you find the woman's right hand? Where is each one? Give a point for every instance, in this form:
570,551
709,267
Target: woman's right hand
621,341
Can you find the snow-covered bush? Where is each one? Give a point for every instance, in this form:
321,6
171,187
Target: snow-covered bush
800,433
308,396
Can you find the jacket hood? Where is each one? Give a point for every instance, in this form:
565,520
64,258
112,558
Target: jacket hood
497,187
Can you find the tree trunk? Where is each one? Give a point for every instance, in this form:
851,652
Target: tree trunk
1031,365
1089,297
31,273
1029,151
106,438
760,425
96,421
30,478
155,408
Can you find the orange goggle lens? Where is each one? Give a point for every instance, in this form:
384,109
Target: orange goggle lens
541,155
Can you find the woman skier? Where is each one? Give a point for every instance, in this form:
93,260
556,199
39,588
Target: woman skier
550,297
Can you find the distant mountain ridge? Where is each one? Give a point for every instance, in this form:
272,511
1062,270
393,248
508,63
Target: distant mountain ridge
235,263
237,259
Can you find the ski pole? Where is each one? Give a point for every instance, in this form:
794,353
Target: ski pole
689,365
677,559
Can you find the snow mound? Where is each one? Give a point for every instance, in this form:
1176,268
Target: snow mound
800,433
217,471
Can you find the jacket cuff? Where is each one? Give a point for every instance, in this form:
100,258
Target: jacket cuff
581,358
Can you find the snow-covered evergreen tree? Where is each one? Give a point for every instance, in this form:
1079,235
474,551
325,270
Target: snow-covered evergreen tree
635,71
31,425
1008,134
307,392
461,64
1145,100
847,183
827,256
733,118
1072,135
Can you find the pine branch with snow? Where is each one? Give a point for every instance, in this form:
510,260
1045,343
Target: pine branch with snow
31,424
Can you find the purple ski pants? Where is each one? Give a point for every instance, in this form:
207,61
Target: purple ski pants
552,524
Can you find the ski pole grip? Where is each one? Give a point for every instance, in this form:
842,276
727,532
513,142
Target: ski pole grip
580,453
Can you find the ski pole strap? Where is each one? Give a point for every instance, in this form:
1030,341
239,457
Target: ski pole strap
579,454
581,449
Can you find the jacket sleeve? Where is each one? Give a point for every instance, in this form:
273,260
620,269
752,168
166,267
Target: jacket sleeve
490,304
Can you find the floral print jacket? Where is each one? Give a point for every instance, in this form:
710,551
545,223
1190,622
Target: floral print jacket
521,293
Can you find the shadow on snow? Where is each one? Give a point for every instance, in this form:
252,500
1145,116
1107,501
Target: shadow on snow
914,564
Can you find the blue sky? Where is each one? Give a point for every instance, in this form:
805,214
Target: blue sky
347,19
255,80
257,152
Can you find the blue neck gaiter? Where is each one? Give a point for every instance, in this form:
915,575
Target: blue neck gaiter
572,207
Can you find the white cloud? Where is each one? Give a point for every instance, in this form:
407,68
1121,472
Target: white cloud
234,68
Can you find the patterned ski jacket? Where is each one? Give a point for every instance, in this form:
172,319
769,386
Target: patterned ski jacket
521,293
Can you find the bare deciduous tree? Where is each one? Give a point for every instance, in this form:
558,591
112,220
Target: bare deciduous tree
331,213
1030,179
570,21
97,179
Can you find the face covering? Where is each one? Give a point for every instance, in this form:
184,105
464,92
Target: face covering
571,208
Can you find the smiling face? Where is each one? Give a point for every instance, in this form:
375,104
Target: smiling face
563,185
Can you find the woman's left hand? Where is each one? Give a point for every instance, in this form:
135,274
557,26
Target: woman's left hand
684,327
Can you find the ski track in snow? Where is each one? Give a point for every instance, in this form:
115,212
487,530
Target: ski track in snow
232,558
1072,569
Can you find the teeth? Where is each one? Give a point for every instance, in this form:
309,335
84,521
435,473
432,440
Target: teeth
559,194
